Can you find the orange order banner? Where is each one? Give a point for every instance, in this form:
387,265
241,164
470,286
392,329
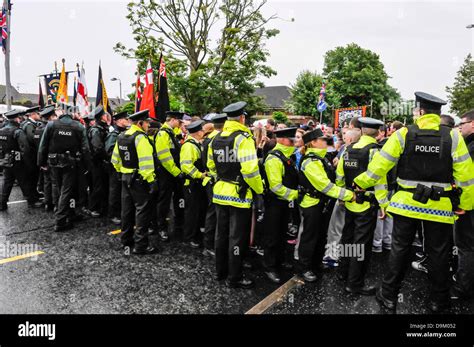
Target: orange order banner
343,115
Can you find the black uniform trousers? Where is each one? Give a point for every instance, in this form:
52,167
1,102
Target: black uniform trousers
211,219
99,189
277,216
136,207
437,246
195,211
312,239
50,195
64,180
464,241
83,183
231,242
167,186
10,174
357,236
115,193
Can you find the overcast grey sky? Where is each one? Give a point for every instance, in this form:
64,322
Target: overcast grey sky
421,43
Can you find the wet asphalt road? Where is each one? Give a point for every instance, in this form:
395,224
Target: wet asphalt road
84,271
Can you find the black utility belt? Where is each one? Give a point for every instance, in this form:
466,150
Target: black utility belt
424,193
60,160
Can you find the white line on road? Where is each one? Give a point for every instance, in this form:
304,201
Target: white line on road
15,202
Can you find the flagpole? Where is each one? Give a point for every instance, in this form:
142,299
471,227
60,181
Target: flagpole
8,83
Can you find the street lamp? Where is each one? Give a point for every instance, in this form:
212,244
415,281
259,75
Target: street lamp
114,79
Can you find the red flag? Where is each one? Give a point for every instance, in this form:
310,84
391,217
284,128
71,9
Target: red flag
148,98
138,92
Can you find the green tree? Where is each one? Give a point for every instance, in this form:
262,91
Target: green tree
461,94
280,117
357,77
204,74
305,95
128,106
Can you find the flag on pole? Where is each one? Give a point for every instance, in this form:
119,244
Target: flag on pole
62,90
163,103
148,97
101,98
4,25
322,106
40,96
138,92
82,100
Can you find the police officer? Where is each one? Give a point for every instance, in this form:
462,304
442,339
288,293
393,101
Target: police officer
429,157
361,215
63,145
167,149
282,183
463,288
218,121
233,158
99,170
28,126
121,123
133,159
16,159
317,180
50,196
194,192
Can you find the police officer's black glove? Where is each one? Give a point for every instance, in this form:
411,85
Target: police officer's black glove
259,203
181,178
154,187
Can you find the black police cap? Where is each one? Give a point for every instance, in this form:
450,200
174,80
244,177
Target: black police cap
219,118
314,135
367,122
98,112
428,101
141,116
14,113
235,110
32,109
175,114
47,111
288,133
194,127
120,115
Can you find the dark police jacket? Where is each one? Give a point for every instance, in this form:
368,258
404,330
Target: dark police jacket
97,135
20,142
67,123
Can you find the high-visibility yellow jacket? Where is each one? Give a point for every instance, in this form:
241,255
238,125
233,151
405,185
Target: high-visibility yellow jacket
380,187
226,193
275,171
402,202
144,152
163,146
188,157
317,176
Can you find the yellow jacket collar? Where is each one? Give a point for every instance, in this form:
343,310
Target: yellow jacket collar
429,121
232,125
318,151
286,150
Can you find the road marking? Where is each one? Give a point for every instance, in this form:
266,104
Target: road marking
276,296
115,232
16,202
19,257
